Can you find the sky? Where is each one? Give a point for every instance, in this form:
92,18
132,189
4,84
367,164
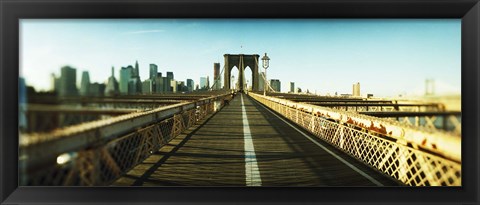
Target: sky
387,57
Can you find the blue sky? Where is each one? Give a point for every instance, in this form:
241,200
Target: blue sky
387,57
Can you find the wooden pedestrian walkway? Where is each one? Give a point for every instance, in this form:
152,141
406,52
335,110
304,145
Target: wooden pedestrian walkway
262,149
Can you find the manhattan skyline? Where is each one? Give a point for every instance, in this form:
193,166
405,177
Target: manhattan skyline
388,57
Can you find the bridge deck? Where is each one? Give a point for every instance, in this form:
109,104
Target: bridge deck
213,154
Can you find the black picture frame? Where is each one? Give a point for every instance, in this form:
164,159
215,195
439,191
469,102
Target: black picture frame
13,10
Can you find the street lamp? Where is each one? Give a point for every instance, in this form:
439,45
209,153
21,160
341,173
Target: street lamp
265,64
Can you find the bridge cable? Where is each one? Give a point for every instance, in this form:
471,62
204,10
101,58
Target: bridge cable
218,78
270,89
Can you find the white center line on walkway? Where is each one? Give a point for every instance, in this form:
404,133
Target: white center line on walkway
252,173
327,150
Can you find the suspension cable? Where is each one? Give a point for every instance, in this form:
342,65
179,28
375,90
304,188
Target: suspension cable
269,87
217,79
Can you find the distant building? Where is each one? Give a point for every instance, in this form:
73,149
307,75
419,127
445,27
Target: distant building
153,71
181,87
261,81
97,89
125,75
55,83
208,82
112,85
292,87
275,84
147,86
136,70
134,86
356,90
216,77
190,85
203,83
429,86
159,83
68,81
170,78
85,84
173,85
153,76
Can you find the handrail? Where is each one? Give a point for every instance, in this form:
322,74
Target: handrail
447,144
396,149
41,146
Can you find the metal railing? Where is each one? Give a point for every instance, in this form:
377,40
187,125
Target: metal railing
413,155
443,120
96,153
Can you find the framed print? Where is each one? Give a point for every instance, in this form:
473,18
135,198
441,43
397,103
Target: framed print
317,102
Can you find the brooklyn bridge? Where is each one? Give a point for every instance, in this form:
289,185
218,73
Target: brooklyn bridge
239,136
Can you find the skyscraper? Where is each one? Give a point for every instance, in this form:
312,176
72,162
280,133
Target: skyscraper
68,81
153,77
85,84
170,75
356,90
173,85
429,86
112,85
275,84
208,83
292,87
166,85
55,83
134,86
159,84
136,70
181,86
97,89
147,86
135,81
153,71
190,84
170,78
203,83
216,76
162,84
125,75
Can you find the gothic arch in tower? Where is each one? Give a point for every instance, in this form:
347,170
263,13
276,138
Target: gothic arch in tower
241,61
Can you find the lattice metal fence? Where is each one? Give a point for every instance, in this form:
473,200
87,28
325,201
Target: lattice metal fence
101,162
394,157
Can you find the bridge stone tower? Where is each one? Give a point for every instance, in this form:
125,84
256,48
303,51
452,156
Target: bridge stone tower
241,61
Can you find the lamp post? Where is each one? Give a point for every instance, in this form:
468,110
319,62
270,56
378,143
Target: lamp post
265,64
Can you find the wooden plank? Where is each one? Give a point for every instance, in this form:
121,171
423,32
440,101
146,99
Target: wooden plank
212,154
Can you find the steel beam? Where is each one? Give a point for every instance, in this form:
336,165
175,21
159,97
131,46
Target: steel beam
411,114
77,110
